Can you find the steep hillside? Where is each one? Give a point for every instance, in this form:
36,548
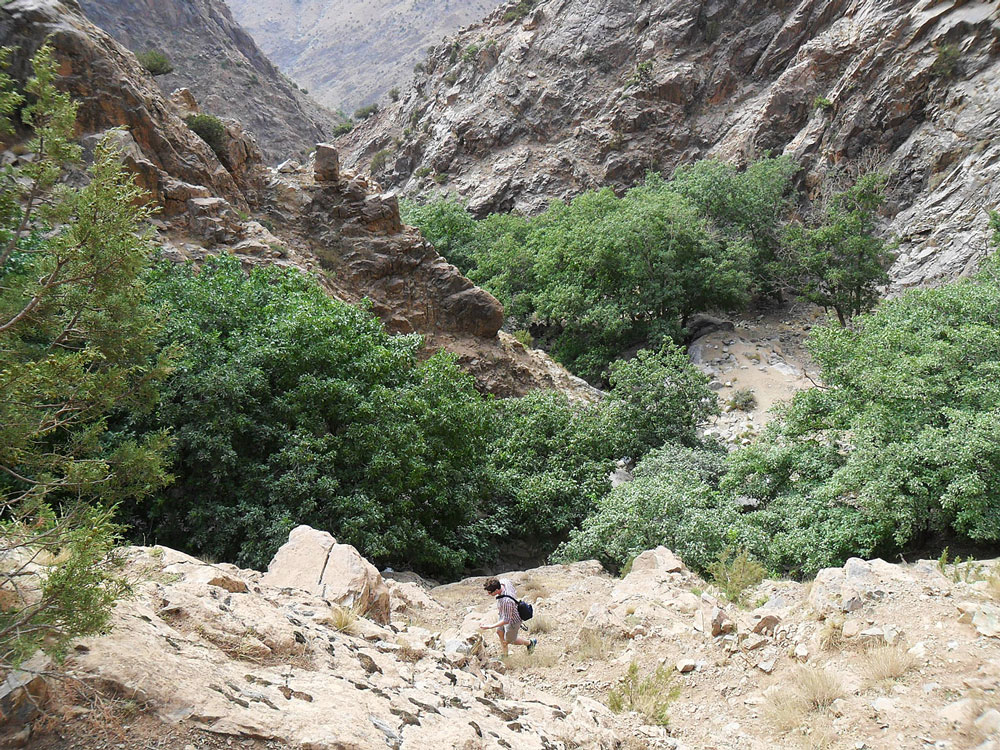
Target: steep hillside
330,223
351,52
546,99
871,655
219,62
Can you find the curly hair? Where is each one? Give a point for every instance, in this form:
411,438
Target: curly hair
491,585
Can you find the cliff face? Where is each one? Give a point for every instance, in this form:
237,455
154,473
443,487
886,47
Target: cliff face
331,223
350,52
215,58
546,100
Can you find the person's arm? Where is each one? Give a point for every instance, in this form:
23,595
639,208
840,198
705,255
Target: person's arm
494,626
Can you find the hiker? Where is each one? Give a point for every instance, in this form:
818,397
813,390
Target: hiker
509,624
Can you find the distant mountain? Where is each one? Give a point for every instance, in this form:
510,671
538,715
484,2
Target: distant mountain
348,53
219,61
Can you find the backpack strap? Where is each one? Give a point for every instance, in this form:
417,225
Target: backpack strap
507,596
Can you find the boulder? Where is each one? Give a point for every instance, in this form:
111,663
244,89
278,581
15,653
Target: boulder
313,561
326,168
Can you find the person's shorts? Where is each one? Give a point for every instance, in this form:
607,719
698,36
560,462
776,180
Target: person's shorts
509,631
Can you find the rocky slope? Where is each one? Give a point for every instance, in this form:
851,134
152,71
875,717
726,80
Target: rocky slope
351,52
871,655
332,223
544,100
219,62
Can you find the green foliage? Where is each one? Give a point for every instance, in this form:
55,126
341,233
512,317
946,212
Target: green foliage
995,226
948,61
743,399
155,62
672,501
291,407
821,102
380,160
748,209
658,398
519,11
842,262
421,172
650,696
602,273
524,337
75,344
394,93
363,113
211,130
901,443
446,225
343,128
470,53
734,574
641,75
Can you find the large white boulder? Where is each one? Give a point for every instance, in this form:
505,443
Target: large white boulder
313,561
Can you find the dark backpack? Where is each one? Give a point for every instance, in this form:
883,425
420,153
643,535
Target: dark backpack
524,610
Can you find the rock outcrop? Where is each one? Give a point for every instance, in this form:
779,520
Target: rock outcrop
213,56
314,562
352,52
575,94
217,657
332,223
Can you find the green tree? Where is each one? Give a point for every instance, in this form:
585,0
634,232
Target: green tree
748,207
900,443
76,342
290,407
842,262
448,226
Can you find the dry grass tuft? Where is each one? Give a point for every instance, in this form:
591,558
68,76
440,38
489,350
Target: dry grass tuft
831,634
593,645
531,588
818,687
342,619
887,663
541,623
544,656
650,697
785,710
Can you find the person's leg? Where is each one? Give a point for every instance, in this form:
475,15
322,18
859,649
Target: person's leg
503,641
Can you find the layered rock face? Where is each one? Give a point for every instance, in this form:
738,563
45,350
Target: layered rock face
546,100
334,224
214,57
351,52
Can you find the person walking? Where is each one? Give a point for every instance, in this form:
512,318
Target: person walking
509,625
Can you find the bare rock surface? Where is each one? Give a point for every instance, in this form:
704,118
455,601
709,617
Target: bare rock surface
213,56
313,561
212,651
578,94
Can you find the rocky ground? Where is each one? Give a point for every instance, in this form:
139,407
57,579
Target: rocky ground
872,655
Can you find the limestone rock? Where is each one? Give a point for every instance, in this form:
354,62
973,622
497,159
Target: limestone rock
326,167
986,620
313,561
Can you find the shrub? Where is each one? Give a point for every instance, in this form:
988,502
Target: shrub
363,113
947,62
470,53
743,399
291,407
421,172
394,93
733,575
211,130
155,62
343,128
451,77
650,697
641,75
821,102
887,663
519,11
380,160
525,338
